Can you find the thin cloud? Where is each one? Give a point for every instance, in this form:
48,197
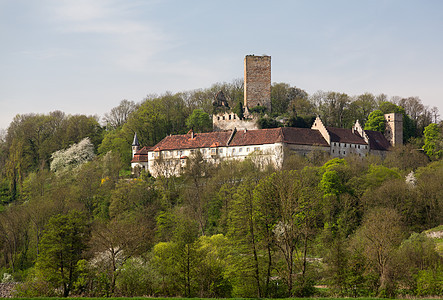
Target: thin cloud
131,42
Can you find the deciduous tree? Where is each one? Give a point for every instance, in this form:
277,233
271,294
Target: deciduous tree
62,246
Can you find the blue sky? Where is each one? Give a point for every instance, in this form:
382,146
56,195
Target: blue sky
85,56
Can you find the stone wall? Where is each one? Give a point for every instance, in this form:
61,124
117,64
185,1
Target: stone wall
229,121
257,81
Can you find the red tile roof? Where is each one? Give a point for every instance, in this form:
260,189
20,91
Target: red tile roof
141,155
343,135
200,140
257,137
377,141
303,136
289,135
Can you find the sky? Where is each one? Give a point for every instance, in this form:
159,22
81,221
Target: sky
85,56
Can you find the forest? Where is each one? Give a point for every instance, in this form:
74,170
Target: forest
74,221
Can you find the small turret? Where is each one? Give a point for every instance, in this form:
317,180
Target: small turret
135,145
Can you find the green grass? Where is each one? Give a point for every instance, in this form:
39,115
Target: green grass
176,298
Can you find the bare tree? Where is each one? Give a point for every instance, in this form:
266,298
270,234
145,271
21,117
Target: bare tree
119,114
435,114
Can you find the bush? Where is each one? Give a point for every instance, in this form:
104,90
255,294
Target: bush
135,279
430,282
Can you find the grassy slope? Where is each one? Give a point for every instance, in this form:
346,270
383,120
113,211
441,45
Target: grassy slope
437,235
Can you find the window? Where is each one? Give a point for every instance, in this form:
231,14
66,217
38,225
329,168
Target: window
214,151
220,150
229,117
358,146
247,149
256,148
218,118
335,144
233,150
240,149
234,116
344,152
223,117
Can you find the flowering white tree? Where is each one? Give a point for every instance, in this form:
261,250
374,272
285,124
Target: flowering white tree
411,180
74,156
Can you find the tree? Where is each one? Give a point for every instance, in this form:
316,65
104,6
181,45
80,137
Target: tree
376,121
415,256
177,261
199,121
379,236
118,141
14,239
287,208
360,108
157,117
62,246
242,231
433,141
117,241
332,106
120,114
212,270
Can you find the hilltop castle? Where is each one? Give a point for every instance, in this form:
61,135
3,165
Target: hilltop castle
235,138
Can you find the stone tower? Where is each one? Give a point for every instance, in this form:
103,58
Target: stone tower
257,81
394,128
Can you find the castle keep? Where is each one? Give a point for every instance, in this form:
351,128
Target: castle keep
235,138
257,81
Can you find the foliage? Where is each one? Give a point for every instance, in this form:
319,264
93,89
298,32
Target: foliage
199,121
61,248
258,109
238,110
376,121
433,141
267,122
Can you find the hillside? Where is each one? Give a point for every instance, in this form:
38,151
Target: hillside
75,221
